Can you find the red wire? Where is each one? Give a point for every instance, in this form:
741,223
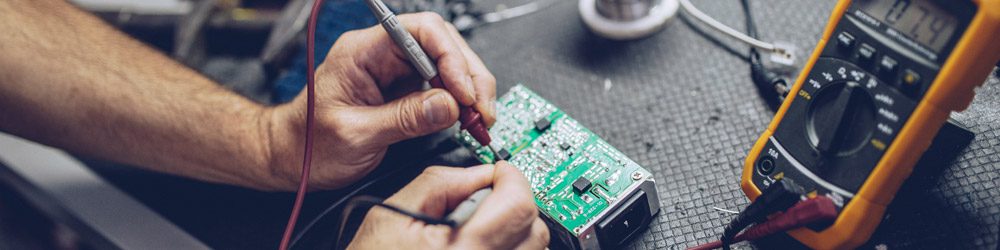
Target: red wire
818,209
310,119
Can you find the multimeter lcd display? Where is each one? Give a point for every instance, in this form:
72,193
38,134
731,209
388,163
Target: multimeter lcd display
920,20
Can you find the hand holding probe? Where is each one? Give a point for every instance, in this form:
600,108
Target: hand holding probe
470,119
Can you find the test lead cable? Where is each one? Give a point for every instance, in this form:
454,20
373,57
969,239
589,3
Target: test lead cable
470,119
819,209
777,197
310,119
365,201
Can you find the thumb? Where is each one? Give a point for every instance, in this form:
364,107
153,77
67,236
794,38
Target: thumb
419,113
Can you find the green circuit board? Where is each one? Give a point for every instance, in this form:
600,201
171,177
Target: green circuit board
575,175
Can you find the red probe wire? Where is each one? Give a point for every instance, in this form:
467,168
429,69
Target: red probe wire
470,119
818,209
310,119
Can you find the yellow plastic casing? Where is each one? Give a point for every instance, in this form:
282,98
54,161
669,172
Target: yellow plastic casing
967,67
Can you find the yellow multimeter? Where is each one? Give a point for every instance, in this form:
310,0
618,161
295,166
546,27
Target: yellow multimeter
878,87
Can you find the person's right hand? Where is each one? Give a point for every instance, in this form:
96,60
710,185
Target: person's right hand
368,96
506,219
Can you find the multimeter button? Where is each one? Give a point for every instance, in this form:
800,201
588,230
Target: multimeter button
887,65
911,78
910,83
845,40
866,53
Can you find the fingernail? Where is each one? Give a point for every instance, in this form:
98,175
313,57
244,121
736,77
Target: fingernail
468,86
436,109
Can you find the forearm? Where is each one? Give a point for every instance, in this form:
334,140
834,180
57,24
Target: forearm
70,81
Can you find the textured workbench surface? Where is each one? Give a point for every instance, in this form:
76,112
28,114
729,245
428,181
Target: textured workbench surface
686,109
674,102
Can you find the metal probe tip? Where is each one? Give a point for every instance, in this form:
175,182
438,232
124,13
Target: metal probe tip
494,151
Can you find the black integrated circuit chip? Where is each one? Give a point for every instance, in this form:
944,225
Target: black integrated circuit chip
542,124
581,185
503,154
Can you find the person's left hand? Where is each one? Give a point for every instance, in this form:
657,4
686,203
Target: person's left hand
506,219
368,96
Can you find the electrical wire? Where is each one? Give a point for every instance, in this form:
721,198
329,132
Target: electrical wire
814,210
517,11
310,120
371,201
336,204
441,148
779,196
771,87
713,39
701,16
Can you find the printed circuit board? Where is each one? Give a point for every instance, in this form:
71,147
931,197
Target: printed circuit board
580,182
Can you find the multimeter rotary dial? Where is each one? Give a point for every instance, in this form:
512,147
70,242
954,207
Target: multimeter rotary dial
841,121
841,118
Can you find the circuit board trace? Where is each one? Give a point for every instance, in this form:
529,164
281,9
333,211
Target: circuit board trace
575,175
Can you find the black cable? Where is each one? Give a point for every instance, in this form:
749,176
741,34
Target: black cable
441,148
336,204
779,196
771,87
751,27
371,201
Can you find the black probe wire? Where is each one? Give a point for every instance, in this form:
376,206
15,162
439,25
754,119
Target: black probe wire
441,148
366,201
336,204
286,239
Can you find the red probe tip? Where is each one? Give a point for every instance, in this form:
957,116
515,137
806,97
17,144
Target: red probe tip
472,121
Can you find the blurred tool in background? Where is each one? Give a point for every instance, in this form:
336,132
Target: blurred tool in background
341,16
627,19
255,47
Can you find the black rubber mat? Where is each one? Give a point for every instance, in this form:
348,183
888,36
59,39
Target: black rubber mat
685,108
675,102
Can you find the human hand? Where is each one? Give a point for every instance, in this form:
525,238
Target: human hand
506,219
368,96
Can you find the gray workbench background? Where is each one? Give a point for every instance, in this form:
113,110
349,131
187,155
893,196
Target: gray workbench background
686,109
676,103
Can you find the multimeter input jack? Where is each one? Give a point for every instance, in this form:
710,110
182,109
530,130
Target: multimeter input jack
765,165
